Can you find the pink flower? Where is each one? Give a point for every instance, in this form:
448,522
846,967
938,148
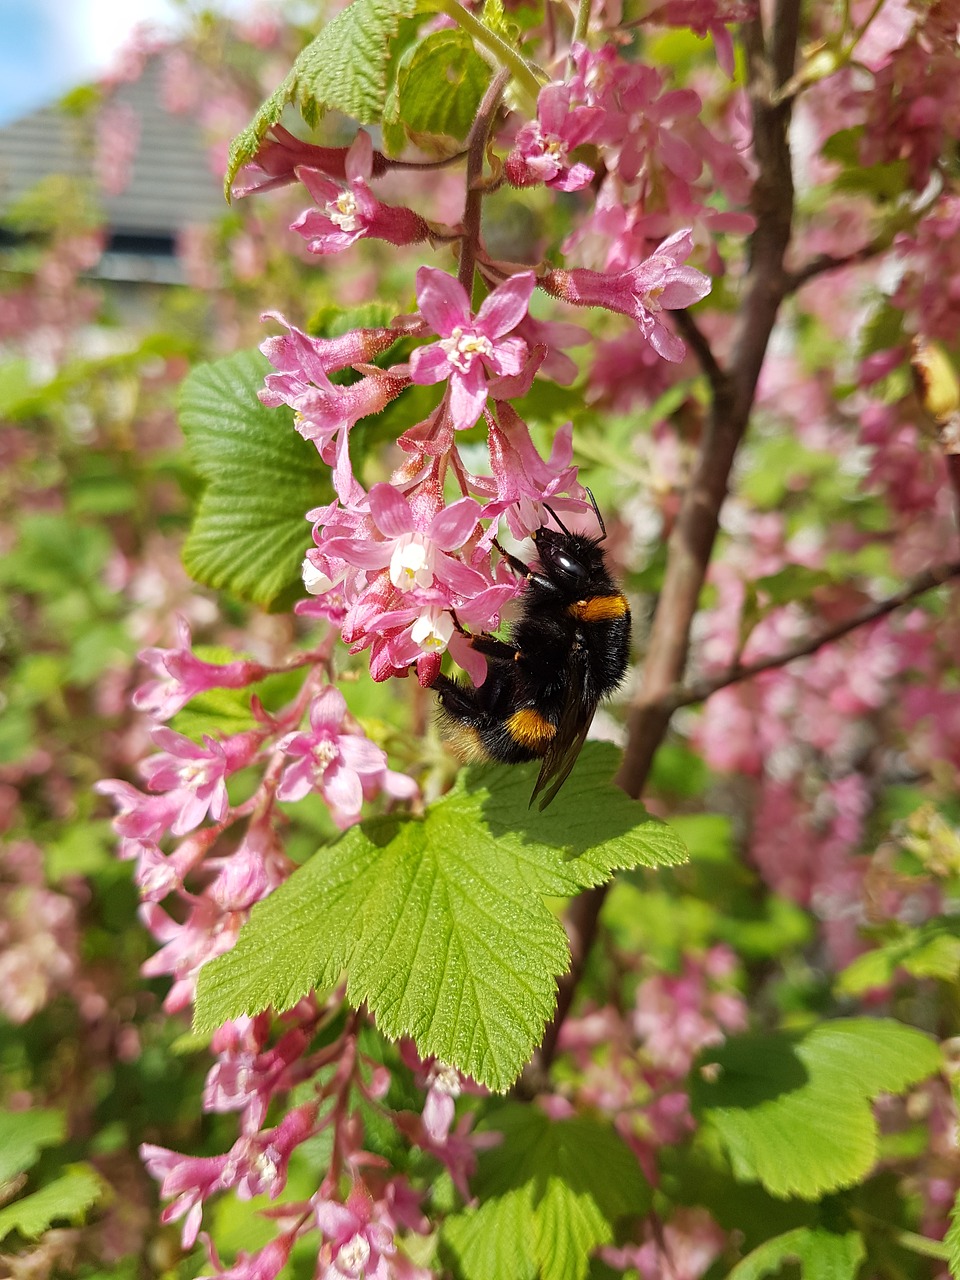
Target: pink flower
281,153
414,546
350,213
265,1264
207,932
181,676
470,347
346,768
190,1179
358,1244
197,775
659,284
543,146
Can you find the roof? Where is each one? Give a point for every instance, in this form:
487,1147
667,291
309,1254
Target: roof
171,184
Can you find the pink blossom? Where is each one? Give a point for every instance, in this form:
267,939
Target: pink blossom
265,1264
543,146
350,213
181,676
207,932
197,775
415,545
659,284
243,1080
281,153
190,1179
346,768
470,347
358,1244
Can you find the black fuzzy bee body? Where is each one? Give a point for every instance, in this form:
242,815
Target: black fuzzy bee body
568,650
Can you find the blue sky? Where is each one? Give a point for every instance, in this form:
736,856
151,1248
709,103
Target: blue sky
50,46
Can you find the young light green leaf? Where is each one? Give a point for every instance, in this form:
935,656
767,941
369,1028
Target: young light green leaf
23,1135
66,1198
343,69
822,1255
249,534
794,1112
439,86
550,1194
439,923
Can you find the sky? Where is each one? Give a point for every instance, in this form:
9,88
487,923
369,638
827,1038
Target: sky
50,46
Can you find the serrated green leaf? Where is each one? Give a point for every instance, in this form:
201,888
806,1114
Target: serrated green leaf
794,1112
23,1135
249,534
439,922
822,1255
343,69
440,83
550,1193
68,1197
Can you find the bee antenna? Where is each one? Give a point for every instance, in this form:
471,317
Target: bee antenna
596,512
558,520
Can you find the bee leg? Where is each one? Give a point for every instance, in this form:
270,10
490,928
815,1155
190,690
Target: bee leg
516,565
488,645
496,650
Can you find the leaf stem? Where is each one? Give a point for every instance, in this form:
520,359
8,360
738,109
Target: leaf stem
520,69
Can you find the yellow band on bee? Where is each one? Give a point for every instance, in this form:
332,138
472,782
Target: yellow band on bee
600,608
530,729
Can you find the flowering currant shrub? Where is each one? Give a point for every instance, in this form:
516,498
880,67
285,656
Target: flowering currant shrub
699,256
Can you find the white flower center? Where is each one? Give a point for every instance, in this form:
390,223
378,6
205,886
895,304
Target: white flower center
446,1080
344,212
323,755
353,1257
411,564
461,349
432,630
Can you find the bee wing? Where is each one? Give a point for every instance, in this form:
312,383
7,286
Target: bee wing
561,755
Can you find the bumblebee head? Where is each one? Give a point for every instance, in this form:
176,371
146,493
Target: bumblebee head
568,559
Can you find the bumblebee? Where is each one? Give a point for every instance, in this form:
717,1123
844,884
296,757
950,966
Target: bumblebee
567,651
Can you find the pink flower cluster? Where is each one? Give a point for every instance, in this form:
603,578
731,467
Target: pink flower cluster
394,564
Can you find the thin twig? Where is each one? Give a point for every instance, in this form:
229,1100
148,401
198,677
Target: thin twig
700,690
825,262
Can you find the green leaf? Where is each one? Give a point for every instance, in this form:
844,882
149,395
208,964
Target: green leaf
23,1135
822,1255
68,1197
343,69
249,534
794,1112
952,1239
549,1195
439,922
439,86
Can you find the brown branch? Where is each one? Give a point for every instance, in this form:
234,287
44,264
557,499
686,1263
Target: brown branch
700,690
691,542
476,151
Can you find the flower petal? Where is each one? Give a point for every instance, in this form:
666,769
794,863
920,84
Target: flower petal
503,309
452,526
442,300
390,510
